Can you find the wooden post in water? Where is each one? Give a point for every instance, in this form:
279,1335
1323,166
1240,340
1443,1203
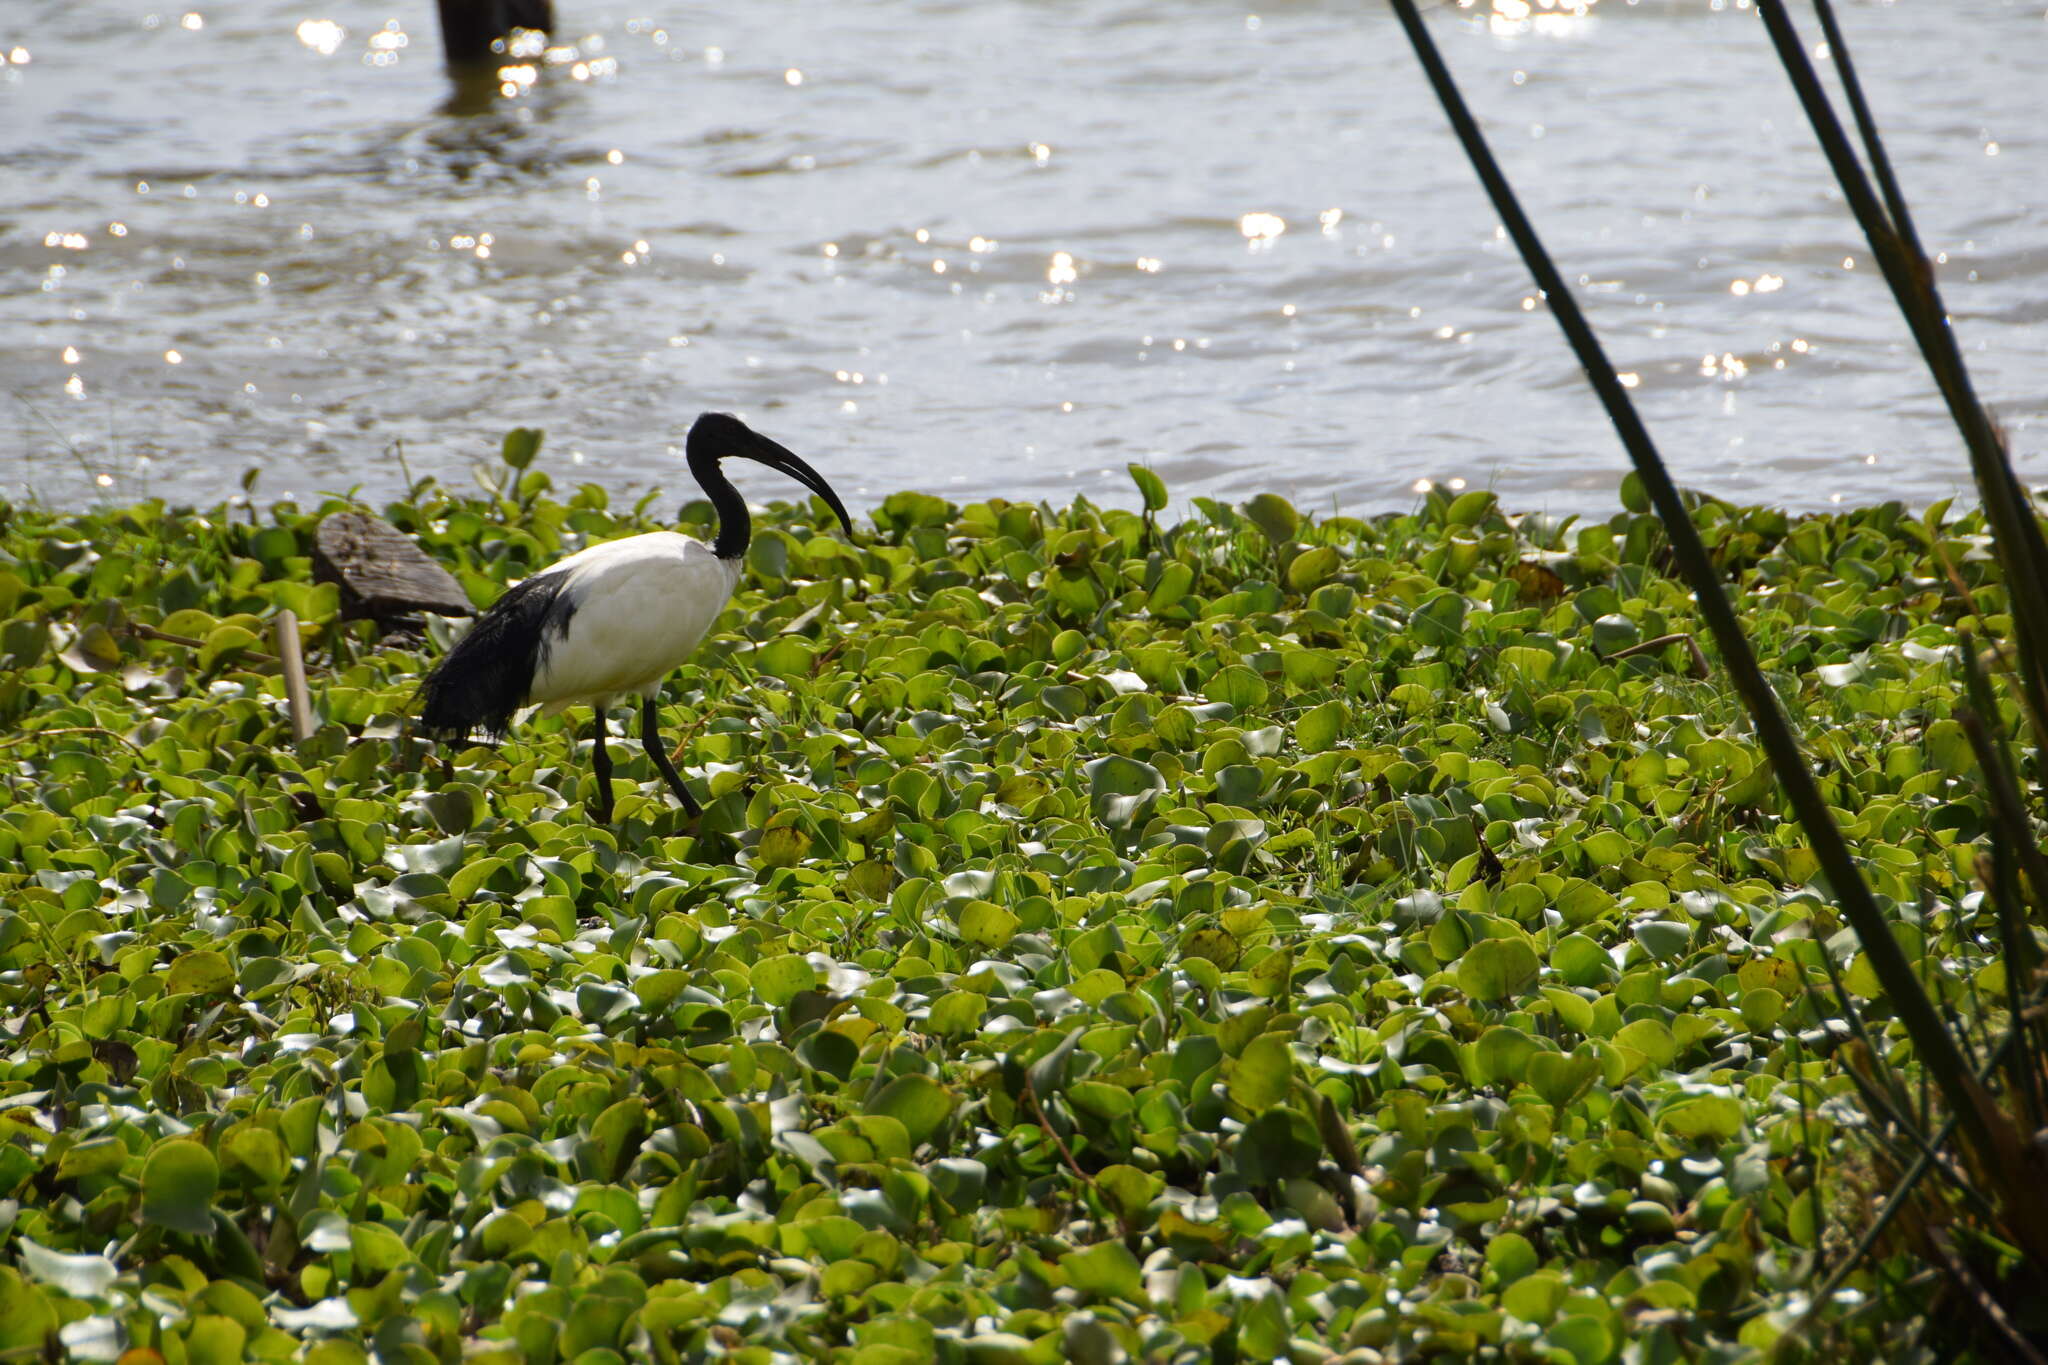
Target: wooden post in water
286,632
469,27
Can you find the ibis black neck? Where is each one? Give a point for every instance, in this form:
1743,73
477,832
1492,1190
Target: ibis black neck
735,527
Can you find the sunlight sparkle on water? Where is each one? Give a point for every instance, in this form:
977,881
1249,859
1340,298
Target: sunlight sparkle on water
1260,229
192,21
1061,270
1506,18
324,36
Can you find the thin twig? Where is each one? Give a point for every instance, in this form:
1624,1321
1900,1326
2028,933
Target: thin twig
1038,1111
76,454
136,628
71,730
1699,656
1987,1304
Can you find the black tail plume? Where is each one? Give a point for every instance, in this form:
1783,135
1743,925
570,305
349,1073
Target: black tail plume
485,679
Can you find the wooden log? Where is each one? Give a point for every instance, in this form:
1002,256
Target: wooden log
383,575
469,27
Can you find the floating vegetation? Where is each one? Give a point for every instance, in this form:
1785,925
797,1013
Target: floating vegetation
1253,937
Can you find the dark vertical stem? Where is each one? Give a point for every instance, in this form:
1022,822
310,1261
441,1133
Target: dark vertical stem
2022,552
1866,128
1937,1050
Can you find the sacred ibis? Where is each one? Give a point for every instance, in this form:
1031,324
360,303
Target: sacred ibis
611,620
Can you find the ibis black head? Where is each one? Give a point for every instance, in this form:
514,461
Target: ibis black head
719,436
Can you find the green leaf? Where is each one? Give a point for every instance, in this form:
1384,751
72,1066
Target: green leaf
258,1151
1311,567
1650,1037
987,925
1497,968
916,1101
1319,728
1106,1270
178,1183
1278,1142
1469,508
1535,1297
1274,516
377,1249
215,1340
28,1320
1663,939
520,445
781,979
1560,1078
1121,790
1237,686
1501,1054
1511,1255
1150,487
223,642
1585,1339
1703,1118
1260,1075
1175,581
1440,621
202,973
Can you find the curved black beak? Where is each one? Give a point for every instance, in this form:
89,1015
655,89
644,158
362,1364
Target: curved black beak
724,436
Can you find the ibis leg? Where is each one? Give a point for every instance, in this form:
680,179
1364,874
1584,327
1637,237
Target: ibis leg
650,735
601,763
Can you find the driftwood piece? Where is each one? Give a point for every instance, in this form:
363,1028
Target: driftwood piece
469,27
382,574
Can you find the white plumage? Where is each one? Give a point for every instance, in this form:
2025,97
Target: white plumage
639,606
611,620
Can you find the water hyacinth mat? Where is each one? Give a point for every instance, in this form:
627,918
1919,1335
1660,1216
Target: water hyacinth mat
1108,938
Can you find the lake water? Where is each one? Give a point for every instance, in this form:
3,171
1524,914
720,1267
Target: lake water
989,247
